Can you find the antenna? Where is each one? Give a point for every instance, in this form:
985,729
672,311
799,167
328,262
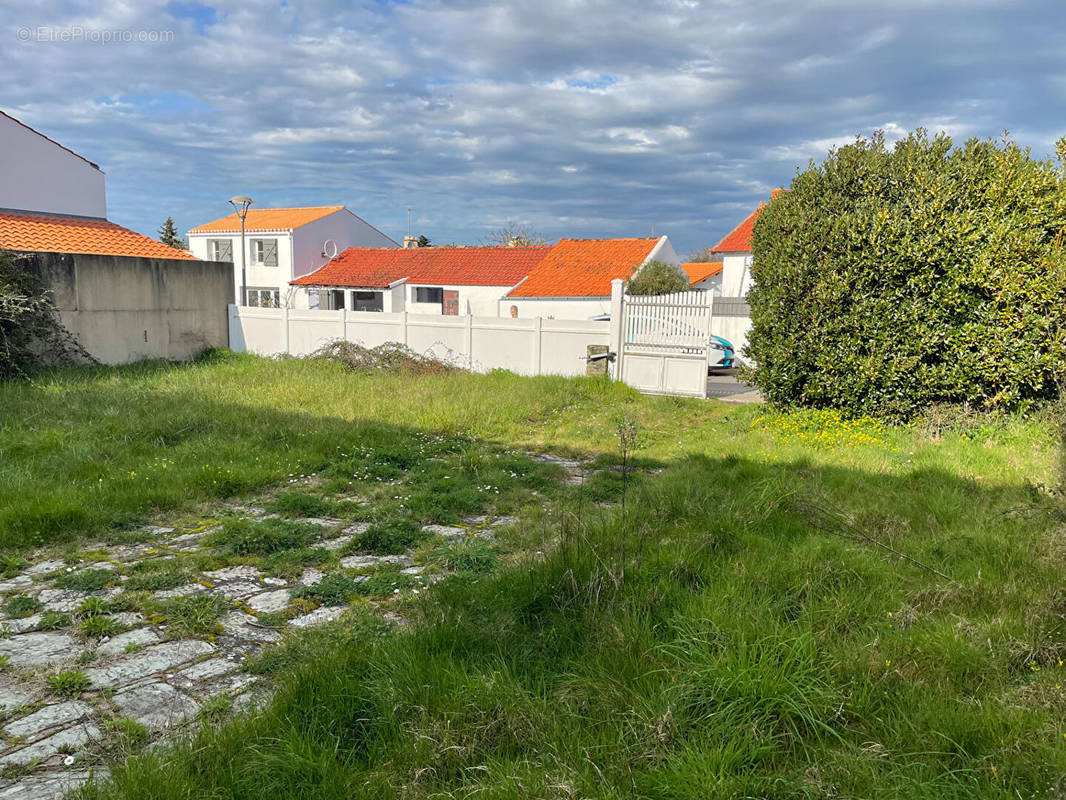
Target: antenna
409,220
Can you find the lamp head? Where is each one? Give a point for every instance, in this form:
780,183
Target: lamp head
240,205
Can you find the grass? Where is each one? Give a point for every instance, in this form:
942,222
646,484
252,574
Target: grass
739,631
391,537
21,606
190,616
87,580
245,537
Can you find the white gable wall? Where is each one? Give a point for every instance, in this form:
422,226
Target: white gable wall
344,228
37,174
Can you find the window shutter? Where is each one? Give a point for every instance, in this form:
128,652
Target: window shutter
225,250
270,252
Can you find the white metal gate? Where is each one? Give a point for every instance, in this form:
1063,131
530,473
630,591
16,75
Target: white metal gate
664,347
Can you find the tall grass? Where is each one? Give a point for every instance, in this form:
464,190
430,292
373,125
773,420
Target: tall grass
750,652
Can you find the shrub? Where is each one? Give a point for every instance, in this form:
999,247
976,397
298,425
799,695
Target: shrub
889,280
658,277
388,357
22,606
96,626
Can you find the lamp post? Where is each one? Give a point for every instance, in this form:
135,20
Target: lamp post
240,205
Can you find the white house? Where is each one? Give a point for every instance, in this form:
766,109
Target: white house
282,244
574,280
705,275
40,175
420,280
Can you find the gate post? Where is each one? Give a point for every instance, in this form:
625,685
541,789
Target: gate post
617,324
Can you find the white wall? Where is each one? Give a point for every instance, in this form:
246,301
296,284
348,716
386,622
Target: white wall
524,346
478,301
556,307
259,276
736,274
37,174
344,228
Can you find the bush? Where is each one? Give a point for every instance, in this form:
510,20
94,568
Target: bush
389,357
890,280
391,537
30,330
658,277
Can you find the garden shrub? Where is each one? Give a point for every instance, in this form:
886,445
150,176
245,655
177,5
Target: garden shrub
887,280
658,277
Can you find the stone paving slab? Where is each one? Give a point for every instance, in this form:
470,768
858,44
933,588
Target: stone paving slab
48,787
362,562
310,576
39,649
237,590
149,661
156,705
241,626
117,645
21,625
16,583
45,567
48,717
270,602
202,672
72,737
236,572
320,616
447,531
180,591
62,601
14,694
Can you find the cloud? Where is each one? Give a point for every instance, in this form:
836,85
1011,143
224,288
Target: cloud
578,117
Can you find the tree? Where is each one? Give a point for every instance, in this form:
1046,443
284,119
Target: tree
887,280
168,234
514,235
423,241
700,256
658,277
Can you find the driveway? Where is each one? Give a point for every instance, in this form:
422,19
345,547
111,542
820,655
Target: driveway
724,385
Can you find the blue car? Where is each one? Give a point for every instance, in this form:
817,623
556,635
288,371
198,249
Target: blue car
722,355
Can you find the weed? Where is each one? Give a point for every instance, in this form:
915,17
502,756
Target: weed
93,607
196,615
302,504
87,580
22,606
68,684
393,537
98,626
52,621
4,661
244,537
10,566
127,735
467,554
386,582
133,647
155,575
333,590
215,709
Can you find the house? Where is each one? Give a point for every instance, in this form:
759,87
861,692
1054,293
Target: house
421,280
573,281
706,275
734,250
122,296
282,244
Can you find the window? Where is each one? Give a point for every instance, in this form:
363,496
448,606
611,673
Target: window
220,250
262,298
428,294
263,251
328,300
367,301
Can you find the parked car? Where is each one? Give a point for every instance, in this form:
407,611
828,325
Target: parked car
655,332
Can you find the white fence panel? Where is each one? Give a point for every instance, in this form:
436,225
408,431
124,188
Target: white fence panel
524,346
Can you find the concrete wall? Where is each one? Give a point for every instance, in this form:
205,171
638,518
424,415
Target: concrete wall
36,174
123,309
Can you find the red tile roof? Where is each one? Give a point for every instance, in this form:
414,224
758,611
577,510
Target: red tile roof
584,267
738,240
268,219
701,270
39,233
378,267
53,141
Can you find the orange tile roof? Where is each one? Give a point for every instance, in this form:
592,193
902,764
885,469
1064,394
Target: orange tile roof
584,267
738,240
39,233
267,219
378,267
701,270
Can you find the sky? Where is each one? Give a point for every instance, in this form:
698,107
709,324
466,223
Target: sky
585,118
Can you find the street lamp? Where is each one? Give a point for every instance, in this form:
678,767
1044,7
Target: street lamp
240,205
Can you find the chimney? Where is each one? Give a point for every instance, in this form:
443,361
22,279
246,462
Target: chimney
410,241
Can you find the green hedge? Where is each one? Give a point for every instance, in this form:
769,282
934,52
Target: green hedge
887,279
